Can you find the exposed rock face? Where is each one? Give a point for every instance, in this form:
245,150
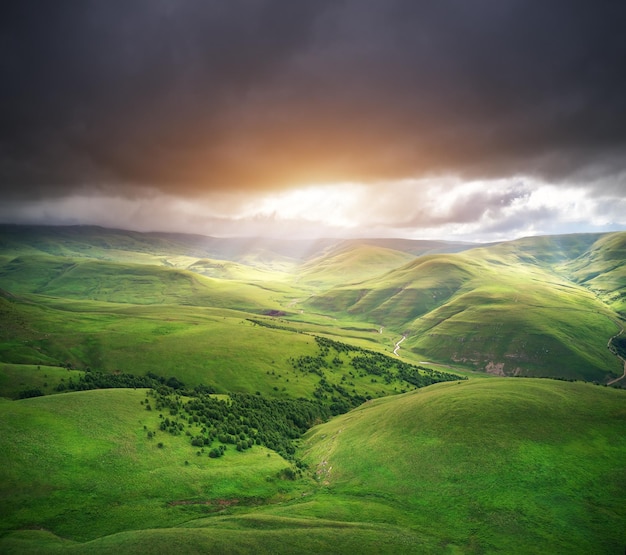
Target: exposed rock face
496,368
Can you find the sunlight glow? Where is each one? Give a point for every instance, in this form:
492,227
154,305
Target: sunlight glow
330,204
435,208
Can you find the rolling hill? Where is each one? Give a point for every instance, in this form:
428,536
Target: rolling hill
488,465
523,307
152,248
244,344
483,466
350,263
602,269
540,306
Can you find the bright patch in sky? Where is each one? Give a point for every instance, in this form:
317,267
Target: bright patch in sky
437,208
327,204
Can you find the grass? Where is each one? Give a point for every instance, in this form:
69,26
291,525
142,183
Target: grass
494,309
350,264
534,330
215,347
289,536
488,465
483,466
16,378
81,465
509,308
603,270
73,278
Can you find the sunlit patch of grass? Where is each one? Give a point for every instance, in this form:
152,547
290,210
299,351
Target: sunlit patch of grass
494,464
82,464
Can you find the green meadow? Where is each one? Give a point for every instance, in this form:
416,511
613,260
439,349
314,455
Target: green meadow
413,365
82,465
487,465
482,466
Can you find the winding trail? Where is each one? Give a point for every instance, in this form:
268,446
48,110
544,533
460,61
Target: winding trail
397,347
621,377
618,356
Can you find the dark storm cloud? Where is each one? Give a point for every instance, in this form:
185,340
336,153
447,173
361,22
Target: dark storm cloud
190,96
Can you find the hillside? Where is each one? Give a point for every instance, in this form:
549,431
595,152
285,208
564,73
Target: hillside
483,466
74,278
350,263
488,465
155,389
511,308
89,452
169,248
539,306
602,269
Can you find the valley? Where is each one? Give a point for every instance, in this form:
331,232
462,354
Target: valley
136,370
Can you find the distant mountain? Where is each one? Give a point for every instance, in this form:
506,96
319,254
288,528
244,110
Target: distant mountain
602,269
510,308
539,306
115,244
351,262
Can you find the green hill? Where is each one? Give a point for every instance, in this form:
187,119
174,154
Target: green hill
415,247
539,306
43,338
350,264
153,248
73,278
508,309
224,269
546,250
286,334
602,269
82,465
485,466
195,344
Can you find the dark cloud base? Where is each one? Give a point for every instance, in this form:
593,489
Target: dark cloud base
189,97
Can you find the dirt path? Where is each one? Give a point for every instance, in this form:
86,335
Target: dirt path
618,356
621,377
621,331
397,347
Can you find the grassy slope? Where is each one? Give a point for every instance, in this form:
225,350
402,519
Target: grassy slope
521,319
488,465
210,346
81,465
74,278
349,264
498,465
223,269
216,347
502,308
398,296
602,269
241,535
16,378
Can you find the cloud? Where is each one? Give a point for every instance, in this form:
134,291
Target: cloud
194,98
487,210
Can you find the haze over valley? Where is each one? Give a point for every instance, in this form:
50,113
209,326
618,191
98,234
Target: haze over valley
314,276
227,365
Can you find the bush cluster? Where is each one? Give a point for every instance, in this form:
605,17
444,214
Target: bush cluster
241,421
368,362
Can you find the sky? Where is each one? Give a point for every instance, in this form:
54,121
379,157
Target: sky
472,120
